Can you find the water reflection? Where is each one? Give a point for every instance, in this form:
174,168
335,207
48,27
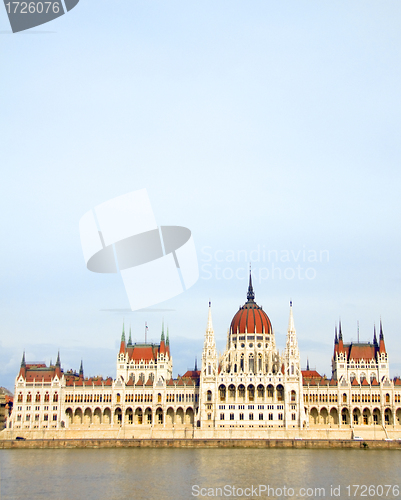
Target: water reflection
171,473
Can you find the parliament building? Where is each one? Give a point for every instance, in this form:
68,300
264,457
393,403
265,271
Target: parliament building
251,391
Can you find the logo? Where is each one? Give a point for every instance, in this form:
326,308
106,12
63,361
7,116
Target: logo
26,15
156,263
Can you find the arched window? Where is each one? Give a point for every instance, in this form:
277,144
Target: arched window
47,397
55,397
28,397
159,398
209,369
37,397
20,397
293,395
387,398
209,395
118,398
251,364
344,398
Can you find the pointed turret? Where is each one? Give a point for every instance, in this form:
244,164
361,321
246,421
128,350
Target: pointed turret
382,347
291,354
81,370
122,344
250,295
58,366
291,327
375,337
340,338
209,347
307,364
209,327
168,342
162,337
129,338
162,341
22,371
196,364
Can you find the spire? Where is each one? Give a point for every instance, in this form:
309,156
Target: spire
130,338
340,346
382,347
250,295
307,364
196,364
209,327
374,336
22,371
162,337
335,335
57,371
291,326
167,338
122,343
81,370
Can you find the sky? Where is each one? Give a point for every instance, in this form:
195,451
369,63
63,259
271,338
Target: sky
270,129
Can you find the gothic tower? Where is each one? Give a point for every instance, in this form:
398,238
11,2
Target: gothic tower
208,384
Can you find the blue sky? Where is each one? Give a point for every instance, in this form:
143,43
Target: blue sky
258,125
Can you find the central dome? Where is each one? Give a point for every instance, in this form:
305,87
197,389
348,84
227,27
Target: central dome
250,318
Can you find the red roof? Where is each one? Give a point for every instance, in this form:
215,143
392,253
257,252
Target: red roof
313,374
191,374
361,351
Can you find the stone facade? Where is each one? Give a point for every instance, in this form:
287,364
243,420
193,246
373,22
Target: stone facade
251,391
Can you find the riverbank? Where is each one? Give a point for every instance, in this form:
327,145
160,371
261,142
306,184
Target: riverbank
199,443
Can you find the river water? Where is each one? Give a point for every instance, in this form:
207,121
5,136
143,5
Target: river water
144,473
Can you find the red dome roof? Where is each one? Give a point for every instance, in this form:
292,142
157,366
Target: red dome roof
250,315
